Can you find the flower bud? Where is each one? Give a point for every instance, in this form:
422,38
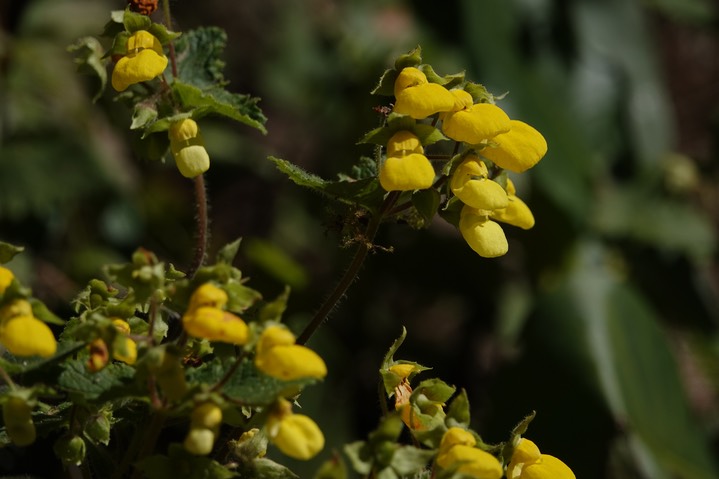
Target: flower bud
70,449
199,441
6,277
296,435
279,357
188,148
18,421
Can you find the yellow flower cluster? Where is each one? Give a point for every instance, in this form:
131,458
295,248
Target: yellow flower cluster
491,136
22,334
278,356
529,463
143,61
296,435
457,451
188,148
205,317
205,423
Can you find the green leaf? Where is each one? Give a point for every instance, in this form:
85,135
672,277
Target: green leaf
198,55
247,384
385,87
217,101
360,456
366,192
409,59
458,411
408,460
333,468
160,31
277,262
40,311
427,134
228,253
426,202
135,21
273,310
389,357
115,380
179,464
435,389
143,115
266,468
8,251
240,297
89,54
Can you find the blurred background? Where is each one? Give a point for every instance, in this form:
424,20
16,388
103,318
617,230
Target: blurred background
603,318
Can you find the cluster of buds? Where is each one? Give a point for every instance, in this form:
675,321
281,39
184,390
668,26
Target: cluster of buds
493,143
205,421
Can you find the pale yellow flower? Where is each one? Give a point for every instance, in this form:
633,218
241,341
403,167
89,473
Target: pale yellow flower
405,168
215,324
473,123
528,463
471,184
517,213
483,235
456,450
27,336
418,98
188,148
517,150
6,277
296,435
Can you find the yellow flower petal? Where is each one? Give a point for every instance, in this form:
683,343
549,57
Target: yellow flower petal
406,173
208,295
424,100
274,336
455,436
462,100
17,416
528,463
6,278
526,451
517,150
471,461
16,307
28,336
207,415
470,184
188,148
409,77
199,441
216,325
125,350
298,436
483,235
291,362
402,143
473,125
403,370
144,61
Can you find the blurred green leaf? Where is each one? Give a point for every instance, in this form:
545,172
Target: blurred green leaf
275,261
112,381
179,463
89,59
8,251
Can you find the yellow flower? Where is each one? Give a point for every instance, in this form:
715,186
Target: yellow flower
517,150
6,278
457,450
528,463
418,98
278,356
205,422
472,123
17,416
143,61
483,235
24,335
296,435
99,355
517,213
188,148
208,295
124,349
405,168
470,183
215,325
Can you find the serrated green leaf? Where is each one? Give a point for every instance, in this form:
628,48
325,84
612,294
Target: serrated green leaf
366,192
389,356
8,251
360,456
89,58
217,101
160,31
274,310
247,384
435,390
115,380
228,253
240,297
385,86
198,55
266,468
479,93
427,134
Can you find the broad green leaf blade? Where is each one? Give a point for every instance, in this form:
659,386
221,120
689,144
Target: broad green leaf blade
115,380
89,59
8,251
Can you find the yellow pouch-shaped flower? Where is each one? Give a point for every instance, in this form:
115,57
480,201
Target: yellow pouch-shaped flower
470,184
528,463
207,295
6,278
418,98
27,336
455,436
124,349
188,148
278,356
406,173
517,213
470,461
517,150
215,325
403,143
476,123
296,435
17,416
143,61
483,235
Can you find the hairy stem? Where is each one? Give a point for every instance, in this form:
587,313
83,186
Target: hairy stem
351,272
202,222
